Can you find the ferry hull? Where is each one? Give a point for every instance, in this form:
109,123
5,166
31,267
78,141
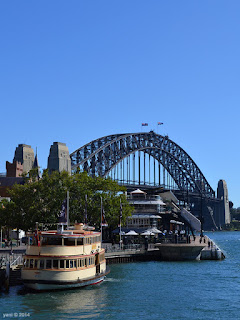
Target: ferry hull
44,285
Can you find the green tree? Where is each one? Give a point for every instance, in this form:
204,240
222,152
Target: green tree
40,200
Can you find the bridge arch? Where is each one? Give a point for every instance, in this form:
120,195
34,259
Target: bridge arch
102,155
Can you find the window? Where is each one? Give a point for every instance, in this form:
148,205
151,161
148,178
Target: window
67,264
62,264
54,241
71,263
51,241
48,264
75,263
55,264
69,242
80,241
81,263
31,263
35,263
41,264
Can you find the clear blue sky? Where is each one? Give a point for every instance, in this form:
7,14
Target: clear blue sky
73,71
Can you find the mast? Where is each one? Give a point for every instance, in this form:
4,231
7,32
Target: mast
67,209
101,219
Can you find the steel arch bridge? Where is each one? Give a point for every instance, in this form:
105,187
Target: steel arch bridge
130,153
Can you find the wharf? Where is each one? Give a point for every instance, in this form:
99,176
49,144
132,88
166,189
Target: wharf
200,249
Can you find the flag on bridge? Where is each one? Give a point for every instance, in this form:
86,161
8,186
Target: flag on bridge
144,124
159,123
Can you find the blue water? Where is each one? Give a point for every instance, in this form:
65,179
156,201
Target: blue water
144,290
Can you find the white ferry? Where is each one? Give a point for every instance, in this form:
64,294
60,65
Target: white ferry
64,259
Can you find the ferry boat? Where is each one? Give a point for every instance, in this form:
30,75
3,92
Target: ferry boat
64,259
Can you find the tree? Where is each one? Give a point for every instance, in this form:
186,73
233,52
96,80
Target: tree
40,200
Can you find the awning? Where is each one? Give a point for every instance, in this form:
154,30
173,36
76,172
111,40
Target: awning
147,202
154,230
138,191
176,222
131,233
145,216
147,233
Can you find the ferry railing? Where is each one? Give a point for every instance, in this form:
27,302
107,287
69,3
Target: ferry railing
116,247
17,261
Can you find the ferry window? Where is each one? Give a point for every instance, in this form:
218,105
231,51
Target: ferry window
35,263
75,263
67,263
27,263
44,241
71,263
62,264
85,262
31,263
41,264
55,264
48,264
89,261
80,241
69,242
54,241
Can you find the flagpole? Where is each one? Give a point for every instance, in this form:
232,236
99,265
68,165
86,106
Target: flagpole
120,228
1,236
101,219
86,209
67,209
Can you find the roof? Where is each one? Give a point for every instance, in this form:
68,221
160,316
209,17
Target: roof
145,216
138,191
10,181
146,201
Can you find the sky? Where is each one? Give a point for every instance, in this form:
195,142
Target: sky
74,71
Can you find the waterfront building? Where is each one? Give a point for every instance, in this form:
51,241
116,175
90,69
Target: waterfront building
147,210
59,159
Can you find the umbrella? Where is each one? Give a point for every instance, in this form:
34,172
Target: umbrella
147,233
131,233
154,230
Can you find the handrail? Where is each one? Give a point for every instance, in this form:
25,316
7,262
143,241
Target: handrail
13,263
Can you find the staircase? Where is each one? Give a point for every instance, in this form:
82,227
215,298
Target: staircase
15,276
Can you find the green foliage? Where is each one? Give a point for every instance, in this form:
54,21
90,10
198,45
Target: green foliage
40,200
235,213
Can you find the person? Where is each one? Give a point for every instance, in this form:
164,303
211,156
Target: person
11,247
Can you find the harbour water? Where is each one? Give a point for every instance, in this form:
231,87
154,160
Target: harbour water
144,290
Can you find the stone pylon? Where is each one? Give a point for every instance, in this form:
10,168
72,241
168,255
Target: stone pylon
222,193
59,158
